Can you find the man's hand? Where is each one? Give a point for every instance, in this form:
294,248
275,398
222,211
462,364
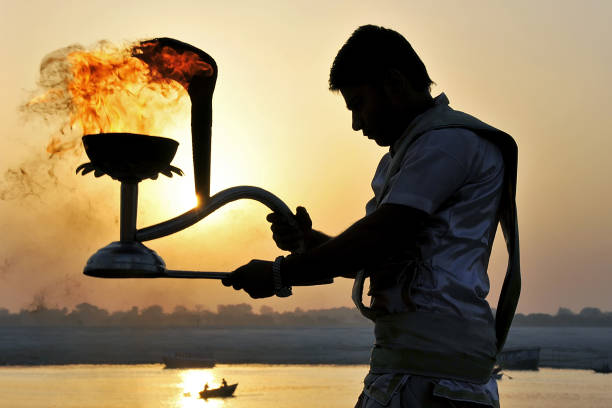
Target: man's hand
255,278
288,236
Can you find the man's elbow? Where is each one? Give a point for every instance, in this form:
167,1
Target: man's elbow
401,218
392,228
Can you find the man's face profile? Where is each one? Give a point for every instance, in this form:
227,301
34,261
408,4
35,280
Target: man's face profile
372,112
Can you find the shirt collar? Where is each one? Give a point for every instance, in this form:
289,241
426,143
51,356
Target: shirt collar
441,99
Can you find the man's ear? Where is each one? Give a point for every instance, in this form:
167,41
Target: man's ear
395,84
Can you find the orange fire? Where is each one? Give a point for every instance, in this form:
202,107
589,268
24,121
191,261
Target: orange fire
114,89
167,63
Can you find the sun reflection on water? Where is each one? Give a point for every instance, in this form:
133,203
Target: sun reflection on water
193,383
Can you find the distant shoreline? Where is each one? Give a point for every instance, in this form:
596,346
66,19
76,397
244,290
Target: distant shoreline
243,316
570,348
253,364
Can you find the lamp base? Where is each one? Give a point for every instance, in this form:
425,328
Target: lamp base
129,259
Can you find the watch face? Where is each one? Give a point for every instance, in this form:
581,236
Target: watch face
284,291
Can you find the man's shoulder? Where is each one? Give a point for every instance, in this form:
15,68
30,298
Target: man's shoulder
455,138
460,143
464,145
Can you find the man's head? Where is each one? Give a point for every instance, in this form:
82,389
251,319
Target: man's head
383,81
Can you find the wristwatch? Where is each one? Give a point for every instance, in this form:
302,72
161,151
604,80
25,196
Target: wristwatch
279,289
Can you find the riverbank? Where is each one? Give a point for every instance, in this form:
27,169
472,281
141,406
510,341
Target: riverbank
561,347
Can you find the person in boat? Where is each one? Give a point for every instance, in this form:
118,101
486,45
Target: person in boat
205,387
223,383
440,191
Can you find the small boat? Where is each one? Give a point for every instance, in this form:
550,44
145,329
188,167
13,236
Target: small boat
603,368
519,358
221,392
183,360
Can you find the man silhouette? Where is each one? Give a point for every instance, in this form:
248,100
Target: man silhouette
426,238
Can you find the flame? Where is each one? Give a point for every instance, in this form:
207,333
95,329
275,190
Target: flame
114,89
167,63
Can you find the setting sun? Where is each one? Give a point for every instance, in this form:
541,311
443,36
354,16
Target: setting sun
193,383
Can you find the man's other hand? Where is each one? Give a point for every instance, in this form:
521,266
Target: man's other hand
288,236
255,278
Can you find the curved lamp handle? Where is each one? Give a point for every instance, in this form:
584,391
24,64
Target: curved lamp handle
196,214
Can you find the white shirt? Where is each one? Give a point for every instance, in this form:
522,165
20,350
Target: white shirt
455,177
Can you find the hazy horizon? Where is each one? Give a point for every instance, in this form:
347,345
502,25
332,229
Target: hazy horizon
240,309
538,70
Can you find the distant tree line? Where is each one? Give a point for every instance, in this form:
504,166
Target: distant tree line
242,315
588,316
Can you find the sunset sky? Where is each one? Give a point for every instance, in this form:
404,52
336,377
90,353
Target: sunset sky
540,70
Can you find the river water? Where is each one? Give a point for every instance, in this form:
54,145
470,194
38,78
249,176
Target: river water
260,385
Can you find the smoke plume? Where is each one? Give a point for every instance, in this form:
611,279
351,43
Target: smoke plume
54,220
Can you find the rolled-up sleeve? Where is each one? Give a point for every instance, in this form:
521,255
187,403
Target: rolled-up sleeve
432,170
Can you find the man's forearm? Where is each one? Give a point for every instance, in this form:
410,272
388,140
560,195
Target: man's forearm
367,242
316,238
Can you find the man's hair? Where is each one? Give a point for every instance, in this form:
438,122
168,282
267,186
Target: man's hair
370,52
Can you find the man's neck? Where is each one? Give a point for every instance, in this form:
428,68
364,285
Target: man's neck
413,110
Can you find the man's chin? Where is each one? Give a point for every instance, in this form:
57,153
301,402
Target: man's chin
382,142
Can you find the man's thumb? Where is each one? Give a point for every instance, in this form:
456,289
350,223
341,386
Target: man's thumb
302,217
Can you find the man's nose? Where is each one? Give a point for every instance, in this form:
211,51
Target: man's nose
356,122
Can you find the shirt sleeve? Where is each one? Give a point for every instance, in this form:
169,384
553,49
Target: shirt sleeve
433,169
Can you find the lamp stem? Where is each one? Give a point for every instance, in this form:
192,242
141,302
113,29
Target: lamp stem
129,211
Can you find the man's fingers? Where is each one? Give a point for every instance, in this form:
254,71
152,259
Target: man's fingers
281,228
227,281
282,231
286,239
232,280
282,221
288,247
275,217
